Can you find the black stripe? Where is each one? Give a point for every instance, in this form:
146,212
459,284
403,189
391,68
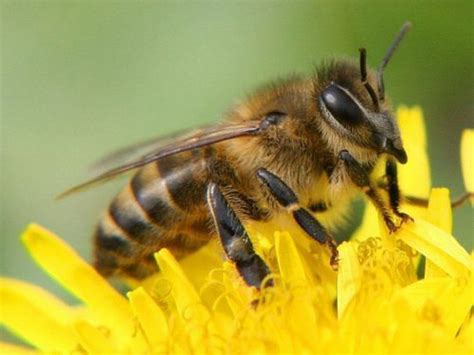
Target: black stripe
318,207
184,187
112,243
136,229
106,263
140,270
155,207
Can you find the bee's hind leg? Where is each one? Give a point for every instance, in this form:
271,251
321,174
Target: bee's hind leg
235,240
288,199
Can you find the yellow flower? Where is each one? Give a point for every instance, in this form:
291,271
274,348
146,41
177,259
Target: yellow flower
374,304
467,159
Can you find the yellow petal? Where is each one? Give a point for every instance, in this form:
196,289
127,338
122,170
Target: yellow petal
441,300
185,296
457,302
151,317
236,293
440,215
419,292
412,129
197,265
297,279
370,224
467,159
348,276
438,246
63,264
289,261
6,348
93,340
41,300
466,334
27,312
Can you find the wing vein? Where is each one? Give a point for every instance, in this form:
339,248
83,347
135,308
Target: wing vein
199,138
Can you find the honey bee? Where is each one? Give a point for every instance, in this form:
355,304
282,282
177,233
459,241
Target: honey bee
304,146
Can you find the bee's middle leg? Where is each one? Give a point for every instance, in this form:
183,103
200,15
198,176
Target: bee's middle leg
235,240
286,197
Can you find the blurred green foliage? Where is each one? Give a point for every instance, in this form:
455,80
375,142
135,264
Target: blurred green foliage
79,79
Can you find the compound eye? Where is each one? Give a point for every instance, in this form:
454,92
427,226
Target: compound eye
341,106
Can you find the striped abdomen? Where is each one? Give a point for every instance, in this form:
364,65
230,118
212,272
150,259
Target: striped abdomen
162,206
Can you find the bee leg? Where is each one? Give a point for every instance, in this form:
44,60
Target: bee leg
287,198
421,201
360,177
395,196
394,191
235,240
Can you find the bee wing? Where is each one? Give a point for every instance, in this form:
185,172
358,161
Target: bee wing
165,147
139,150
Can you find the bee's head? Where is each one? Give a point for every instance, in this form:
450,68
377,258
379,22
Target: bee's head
364,125
351,107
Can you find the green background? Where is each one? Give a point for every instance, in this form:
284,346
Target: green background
79,79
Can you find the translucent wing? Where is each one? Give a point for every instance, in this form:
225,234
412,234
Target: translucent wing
165,147
139,150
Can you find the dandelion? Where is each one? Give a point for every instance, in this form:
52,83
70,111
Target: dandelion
374,303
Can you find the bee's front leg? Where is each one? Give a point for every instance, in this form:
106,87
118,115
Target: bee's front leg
394,191
285,196
360,177
235,240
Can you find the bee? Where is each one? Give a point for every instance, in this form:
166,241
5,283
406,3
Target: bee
304,146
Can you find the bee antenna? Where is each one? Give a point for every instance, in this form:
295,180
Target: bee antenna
363,78
401,34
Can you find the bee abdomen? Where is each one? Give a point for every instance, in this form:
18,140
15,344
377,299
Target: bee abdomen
133,226
113,242
150,195
114,249
116,253
127,236
162,206
133,221
185,178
